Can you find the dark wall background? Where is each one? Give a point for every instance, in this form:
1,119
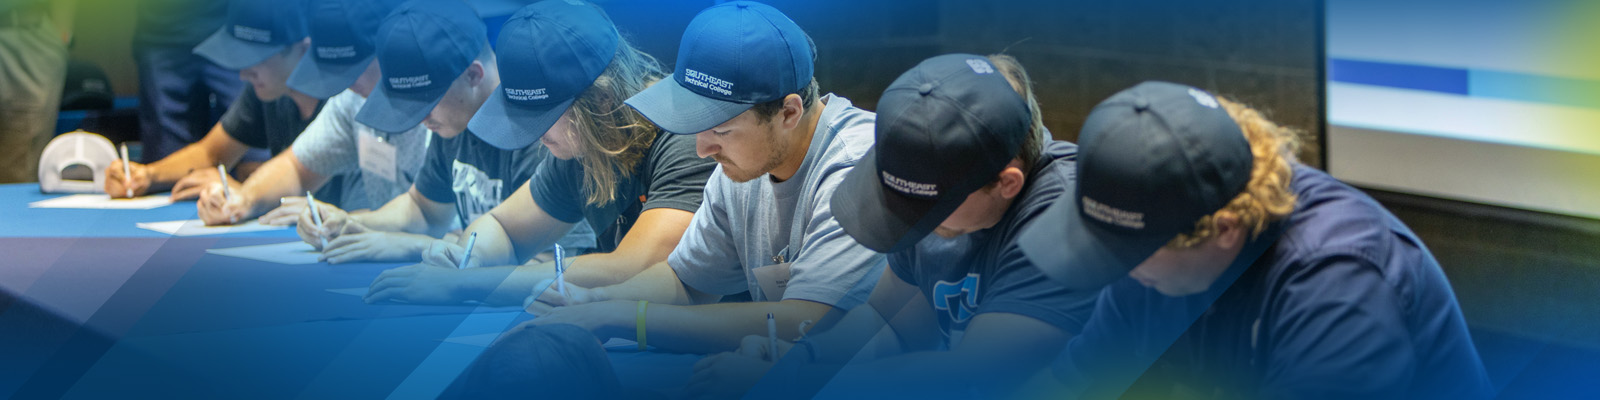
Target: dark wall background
1078,51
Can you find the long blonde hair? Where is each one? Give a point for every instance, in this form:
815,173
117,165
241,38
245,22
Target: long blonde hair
614,138
1266,198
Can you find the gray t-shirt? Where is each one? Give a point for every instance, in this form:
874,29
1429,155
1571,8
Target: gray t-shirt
333,145
742,227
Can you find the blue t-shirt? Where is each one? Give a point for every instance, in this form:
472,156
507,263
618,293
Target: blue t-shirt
985,271
671,175
1343,302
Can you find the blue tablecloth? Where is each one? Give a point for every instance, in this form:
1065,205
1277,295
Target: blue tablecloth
95,307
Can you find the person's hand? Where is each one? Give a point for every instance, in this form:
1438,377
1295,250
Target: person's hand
758,346
373,246
215,208
725,376
198,181
417,284
606,319
288,211
334,223
117,185
539,303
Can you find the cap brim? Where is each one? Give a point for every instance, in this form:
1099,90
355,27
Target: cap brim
509,126
232,53
681,111
397,112
323,80
1081,254
880,219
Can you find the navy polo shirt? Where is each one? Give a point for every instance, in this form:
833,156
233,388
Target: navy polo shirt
1341,301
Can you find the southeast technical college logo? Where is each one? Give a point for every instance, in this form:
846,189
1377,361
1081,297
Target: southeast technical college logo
959,300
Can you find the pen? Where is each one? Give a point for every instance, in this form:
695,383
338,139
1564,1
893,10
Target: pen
127,176
471,241
561,269
772,338
315,217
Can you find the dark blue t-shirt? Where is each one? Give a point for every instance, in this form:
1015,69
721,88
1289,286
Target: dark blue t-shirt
671,175
985,271
1343,302
474,175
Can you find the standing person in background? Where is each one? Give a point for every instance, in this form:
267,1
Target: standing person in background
33,67
265,39
181,94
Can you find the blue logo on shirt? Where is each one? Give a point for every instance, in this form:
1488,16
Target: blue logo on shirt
963,293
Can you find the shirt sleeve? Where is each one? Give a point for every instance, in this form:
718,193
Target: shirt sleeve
831,267
1018,287
435,179
677,175
557,187
1339,333
245,119
328,146
706,258
1118,343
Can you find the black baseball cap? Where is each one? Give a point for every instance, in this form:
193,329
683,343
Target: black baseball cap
254,31
1152,161
558,48
423,46
944,129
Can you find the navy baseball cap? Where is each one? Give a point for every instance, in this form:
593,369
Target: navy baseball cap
559,47
954,110
254,31
423,46
342,33
733,56
1152,161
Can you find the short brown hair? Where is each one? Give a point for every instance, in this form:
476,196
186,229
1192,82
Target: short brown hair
1032,145
808,98
1266,198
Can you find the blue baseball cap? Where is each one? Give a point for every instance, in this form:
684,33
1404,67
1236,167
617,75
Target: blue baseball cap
342,33
559,48
733,56
954,108
254,31
1152,161
423,46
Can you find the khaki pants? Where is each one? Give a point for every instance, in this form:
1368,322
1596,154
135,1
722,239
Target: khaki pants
33,66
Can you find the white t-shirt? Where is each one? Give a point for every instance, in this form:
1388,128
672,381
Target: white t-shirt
332,146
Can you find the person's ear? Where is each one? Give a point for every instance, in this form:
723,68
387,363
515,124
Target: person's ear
475,73
1011,181
1231,233
793,109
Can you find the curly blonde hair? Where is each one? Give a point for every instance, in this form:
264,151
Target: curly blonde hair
1266,198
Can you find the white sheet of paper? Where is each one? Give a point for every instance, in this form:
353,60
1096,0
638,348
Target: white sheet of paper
292,253
359,292
104,202
194,227
486,339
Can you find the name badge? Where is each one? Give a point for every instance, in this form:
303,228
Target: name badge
772,279
377,157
